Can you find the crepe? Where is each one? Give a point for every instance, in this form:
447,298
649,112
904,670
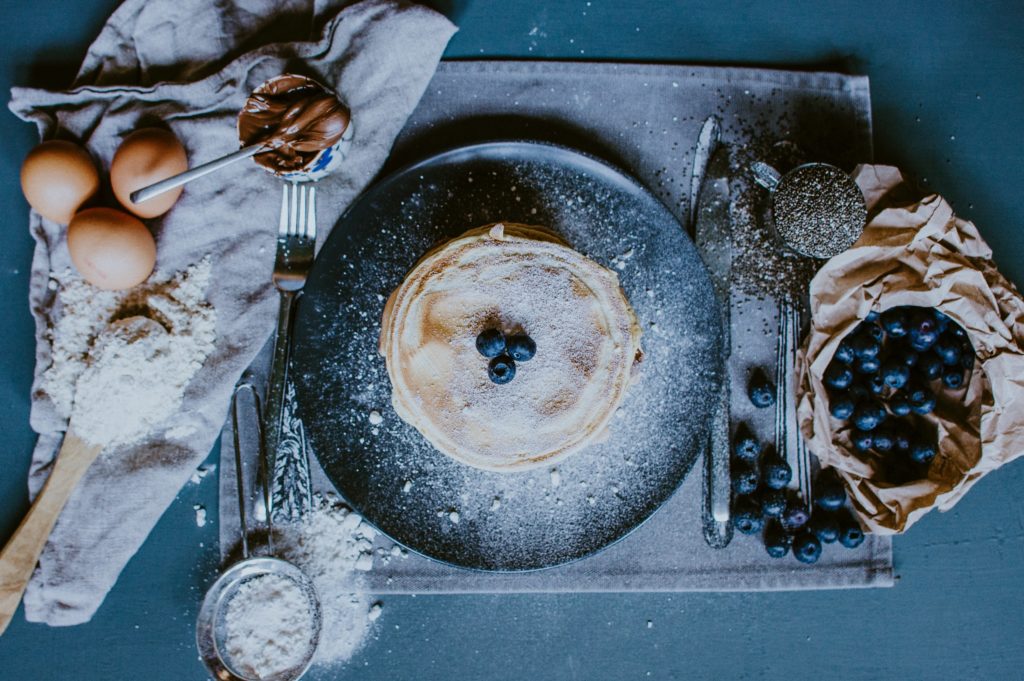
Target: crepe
516,278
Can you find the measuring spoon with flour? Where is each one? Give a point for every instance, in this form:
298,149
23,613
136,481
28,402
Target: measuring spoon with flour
81,446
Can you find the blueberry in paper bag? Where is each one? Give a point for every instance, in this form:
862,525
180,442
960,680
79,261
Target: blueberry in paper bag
776,540
908,357
859,392
745,477
806,547
841,405
838,376
824,525
948,349
942,320
868,415
871,330
895,374
745,446
901,440
773,502
868,365
864,346
844,352
761,390
872,316
747,516
862,441
883,440
953,378
899,405
829,492
922,400
930,367
850,533
895,321
876,384
922,451
776,472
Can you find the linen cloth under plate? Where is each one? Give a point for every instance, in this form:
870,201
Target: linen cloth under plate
646,119
190,64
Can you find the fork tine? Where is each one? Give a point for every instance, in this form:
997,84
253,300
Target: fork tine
282,228
293,208
300,224
309,229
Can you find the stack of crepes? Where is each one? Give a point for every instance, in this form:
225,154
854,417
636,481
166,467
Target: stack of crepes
917,252
189,65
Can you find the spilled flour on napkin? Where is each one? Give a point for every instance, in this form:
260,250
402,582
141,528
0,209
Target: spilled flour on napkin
121,359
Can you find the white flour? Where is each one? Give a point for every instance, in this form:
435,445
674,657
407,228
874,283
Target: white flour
120,361
334,547
269,626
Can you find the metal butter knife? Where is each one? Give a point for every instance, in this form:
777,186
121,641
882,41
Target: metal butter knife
713,237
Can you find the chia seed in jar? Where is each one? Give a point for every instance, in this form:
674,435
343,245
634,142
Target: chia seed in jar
819,211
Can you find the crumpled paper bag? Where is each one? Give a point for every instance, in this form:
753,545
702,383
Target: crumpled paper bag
917,252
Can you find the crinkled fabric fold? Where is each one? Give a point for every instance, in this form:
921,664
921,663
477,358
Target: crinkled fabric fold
189,65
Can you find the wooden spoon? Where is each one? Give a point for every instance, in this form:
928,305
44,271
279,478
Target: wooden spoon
20,555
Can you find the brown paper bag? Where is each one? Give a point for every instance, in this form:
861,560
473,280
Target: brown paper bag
918,253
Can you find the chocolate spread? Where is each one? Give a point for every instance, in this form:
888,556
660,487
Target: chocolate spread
295,117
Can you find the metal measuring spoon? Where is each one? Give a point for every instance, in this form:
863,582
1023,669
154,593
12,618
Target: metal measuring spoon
211,624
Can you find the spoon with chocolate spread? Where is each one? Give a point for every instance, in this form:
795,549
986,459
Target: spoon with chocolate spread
285,125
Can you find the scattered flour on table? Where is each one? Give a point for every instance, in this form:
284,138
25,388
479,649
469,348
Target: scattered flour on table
334,547
120,360
269,626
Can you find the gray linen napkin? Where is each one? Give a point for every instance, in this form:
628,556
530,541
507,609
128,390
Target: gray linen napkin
190,64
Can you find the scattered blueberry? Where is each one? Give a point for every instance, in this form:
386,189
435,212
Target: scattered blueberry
850,533
864,346
746,516
838,376
922,452
844,352
501,369
776,540
953,378
824,525
775,472
829,492
773,502
895,321
841,406
745,446
867,365
806,547
795,516
895,374
745,477
490,343
761,390
521,347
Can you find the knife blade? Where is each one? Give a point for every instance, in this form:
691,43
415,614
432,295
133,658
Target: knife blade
713,238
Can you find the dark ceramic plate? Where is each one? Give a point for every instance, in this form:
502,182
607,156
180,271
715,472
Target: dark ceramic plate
505,521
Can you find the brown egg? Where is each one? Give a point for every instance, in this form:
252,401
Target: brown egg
111,249
144,157
57,177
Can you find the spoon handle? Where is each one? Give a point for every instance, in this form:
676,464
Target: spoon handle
170,183
19,556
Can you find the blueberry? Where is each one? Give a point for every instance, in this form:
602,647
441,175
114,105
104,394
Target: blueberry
895,374
824,525
967,358
923,320
921,340
948,350
870,329
922,451
859,393
899,405
746,516
922,400
501,369
876,384
829,492
795,516
761,390
868,415
806,547
775,472
864,346
745,477
895,321
773,502
776,540
953,378
861,440
844,352
521,347
871,316
884,440
957,331
901,441
490,343
930,367
841,406
838,376
942,320
850,533
908,358
745,446
868,365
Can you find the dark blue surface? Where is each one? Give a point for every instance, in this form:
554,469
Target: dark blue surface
948,89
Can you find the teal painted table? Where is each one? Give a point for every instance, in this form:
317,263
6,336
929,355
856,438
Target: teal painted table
948,90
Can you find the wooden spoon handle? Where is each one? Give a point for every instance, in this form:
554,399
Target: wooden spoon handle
19,557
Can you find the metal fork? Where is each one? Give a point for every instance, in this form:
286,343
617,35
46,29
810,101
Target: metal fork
296,240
